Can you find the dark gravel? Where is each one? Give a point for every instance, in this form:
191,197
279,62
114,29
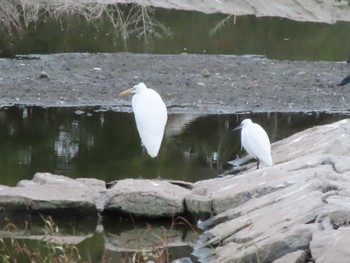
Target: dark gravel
187,83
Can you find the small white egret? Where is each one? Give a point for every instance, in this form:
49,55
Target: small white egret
255,141
150,116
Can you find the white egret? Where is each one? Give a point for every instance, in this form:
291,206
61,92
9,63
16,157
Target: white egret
150,116
255,141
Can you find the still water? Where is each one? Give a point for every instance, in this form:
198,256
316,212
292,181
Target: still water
104,144
85,240
118,29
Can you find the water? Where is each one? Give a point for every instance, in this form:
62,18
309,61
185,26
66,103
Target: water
104,144
176,31
111,240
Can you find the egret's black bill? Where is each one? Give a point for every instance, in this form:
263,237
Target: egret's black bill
237,128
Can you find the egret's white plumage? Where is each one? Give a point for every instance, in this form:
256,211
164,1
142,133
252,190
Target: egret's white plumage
256,142
150,116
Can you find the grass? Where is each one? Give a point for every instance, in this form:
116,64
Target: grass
50,249
160,252
17,15
13,250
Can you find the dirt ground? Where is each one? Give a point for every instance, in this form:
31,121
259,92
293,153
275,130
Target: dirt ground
187,83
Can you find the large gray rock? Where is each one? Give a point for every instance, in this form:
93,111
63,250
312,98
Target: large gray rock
146,198
264,215
54,193
48,192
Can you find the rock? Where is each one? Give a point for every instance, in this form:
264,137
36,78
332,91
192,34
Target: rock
48,192
267,214
332,231
331,245
182,260
146,198
205,73
265,249
298,256
198,205
43,75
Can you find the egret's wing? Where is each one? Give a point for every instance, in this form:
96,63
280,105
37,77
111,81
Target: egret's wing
151,117
256,142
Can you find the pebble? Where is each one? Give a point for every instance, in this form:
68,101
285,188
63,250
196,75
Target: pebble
43,75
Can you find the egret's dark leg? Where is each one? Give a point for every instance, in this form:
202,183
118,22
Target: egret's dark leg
257,164
158,168
141,161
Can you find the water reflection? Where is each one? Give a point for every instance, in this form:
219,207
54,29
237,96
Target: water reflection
118,27
111,240
104,144
86,24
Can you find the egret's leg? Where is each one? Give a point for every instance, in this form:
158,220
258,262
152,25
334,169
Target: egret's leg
257,163
158,168
141,161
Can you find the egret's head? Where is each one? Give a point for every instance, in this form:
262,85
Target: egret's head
246,122
139,87
136,89
243,124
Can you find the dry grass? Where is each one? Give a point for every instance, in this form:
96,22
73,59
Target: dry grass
18,15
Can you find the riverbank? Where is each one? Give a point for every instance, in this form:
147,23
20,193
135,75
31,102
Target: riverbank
187,83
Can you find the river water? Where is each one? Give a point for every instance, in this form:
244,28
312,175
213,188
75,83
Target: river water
118,29
104,144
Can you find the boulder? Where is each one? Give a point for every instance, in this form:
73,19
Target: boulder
296,205
146,198
54,193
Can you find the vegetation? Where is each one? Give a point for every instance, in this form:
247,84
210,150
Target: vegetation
46,250
50,249
130,19
160,253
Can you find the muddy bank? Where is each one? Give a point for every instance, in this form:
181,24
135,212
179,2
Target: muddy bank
187,83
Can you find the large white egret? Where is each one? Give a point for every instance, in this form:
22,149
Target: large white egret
255,141
150,116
